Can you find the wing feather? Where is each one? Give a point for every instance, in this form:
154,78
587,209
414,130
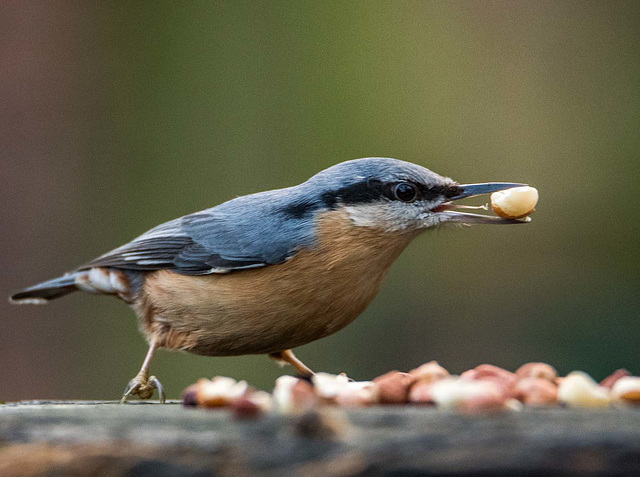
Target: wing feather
247,232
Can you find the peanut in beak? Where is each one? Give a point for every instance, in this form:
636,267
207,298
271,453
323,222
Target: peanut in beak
515,203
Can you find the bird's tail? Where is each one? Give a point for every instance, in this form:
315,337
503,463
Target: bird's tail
43,292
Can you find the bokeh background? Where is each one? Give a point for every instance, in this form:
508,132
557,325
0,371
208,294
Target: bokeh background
117,116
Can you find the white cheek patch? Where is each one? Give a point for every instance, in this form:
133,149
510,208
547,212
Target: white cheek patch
363,215
389,216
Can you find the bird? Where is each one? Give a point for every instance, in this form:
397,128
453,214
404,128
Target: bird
268,272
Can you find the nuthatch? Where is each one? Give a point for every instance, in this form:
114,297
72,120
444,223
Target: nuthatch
266,272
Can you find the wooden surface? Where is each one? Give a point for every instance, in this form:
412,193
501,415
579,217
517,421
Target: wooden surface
141,439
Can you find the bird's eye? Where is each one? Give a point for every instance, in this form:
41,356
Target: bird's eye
405,192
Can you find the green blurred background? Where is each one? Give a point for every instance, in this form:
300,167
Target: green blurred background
117,116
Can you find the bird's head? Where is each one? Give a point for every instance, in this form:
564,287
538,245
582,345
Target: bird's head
396,196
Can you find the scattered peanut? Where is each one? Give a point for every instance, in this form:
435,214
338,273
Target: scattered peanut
252,405
483,388
357,393
537,370
339,389
515,203
420,393
536,392
458,392
513,405
219,391
627,389
613,378
294,396
579,389
502,378
327,386
430,372
190,396
393,387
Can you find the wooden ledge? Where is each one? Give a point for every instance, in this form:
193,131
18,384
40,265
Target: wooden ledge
142,438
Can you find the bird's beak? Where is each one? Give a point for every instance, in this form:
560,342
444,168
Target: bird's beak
470,190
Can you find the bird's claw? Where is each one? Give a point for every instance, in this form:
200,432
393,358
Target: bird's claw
158,385
143,386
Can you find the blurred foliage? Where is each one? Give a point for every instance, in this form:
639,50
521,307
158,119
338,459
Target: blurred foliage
128,114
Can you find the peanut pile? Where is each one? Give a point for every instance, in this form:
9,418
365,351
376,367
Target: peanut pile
484,388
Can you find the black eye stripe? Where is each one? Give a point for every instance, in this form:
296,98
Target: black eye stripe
450,190
434,192
429,194
373,190
358,193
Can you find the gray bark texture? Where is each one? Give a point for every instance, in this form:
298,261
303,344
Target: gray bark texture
146,439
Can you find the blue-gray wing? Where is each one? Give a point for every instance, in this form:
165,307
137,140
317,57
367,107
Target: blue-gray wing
247,232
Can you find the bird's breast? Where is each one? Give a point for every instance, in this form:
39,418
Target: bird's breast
315,293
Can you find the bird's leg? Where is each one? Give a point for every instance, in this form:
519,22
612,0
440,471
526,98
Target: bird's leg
287,356
143,384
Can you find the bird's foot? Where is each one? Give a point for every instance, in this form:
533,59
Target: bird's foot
287,357
143,386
